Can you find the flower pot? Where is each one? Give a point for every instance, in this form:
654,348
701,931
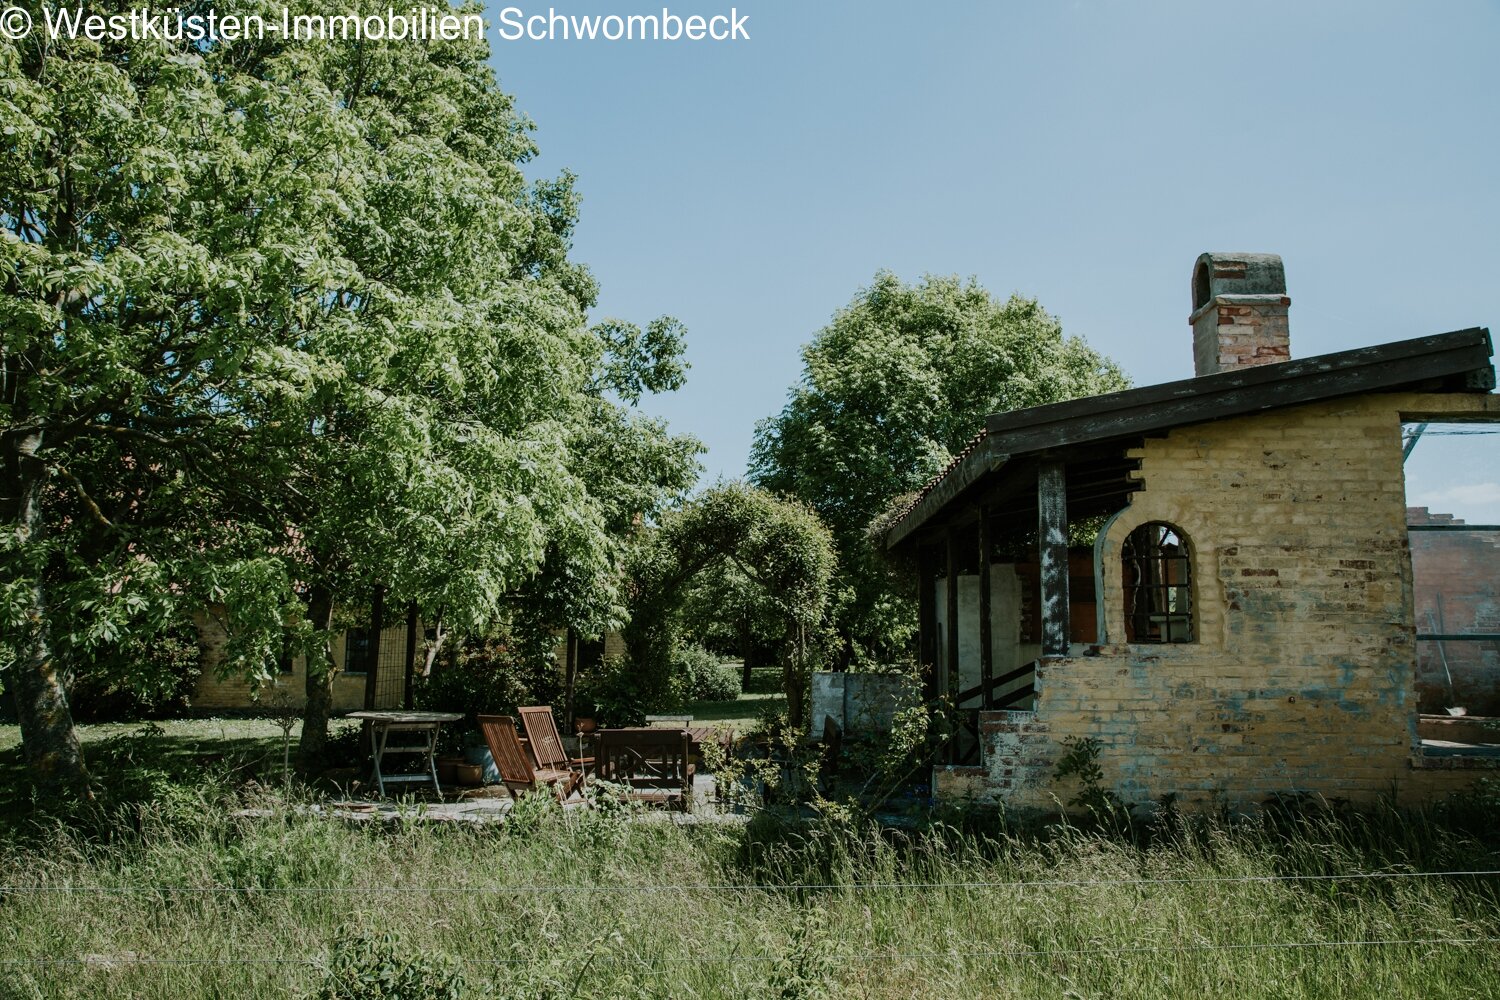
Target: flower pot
586,723
468,775
489,774
446,769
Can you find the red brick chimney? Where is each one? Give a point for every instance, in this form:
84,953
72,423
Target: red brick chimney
1239,312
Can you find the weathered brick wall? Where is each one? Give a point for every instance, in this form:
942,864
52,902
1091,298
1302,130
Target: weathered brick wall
1234,331
1301,679
1456,582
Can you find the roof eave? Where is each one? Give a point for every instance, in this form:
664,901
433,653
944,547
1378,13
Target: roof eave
979,462
1460,359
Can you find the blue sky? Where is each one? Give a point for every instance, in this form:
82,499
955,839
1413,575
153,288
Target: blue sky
1080,153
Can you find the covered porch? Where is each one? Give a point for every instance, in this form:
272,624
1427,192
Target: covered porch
1007,576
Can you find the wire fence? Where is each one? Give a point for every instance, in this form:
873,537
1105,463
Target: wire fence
741,886
106,961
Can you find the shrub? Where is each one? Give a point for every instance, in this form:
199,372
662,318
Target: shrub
365,966
616,692
489,673
141,676
703,677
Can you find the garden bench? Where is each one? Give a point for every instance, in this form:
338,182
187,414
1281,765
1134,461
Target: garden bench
653,763
669,721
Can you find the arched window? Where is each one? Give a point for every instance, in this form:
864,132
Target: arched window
1158,585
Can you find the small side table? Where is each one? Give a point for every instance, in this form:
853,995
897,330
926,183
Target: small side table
425,724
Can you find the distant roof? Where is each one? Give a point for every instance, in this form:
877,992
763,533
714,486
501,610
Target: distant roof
1449,362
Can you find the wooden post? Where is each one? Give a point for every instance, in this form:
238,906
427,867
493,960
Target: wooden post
372,658
950,666
927,620
1052,555
570,676
986,652
408,695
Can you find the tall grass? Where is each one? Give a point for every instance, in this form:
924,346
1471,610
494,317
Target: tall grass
556,904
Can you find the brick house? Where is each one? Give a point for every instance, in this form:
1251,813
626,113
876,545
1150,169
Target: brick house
1456,592
351,651
1211,578
357,654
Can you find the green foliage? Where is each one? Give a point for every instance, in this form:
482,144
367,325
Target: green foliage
780,545
138,676
368,966
618,694
268,293
1080,762
703,676
724,610
891,390
491,672
808,966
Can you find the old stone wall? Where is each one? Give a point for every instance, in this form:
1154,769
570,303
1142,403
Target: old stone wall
859,704
1301,678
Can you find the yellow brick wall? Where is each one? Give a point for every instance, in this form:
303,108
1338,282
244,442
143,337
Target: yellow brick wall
1302,676
235,692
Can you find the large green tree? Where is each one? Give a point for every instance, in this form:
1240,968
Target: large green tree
891,390
280,322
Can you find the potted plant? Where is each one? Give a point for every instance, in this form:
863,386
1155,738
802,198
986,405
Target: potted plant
585,714
478,767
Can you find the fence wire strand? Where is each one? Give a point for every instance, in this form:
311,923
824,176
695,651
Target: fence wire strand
110,961
735,887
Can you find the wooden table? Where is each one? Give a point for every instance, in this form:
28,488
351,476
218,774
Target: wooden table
425,724
710,734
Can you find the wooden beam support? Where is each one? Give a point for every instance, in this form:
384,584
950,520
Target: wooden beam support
408,694
986,652
1052,554
949,672
927,660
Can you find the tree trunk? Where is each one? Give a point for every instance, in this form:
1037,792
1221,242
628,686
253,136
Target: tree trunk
47,732
570,677
746,638
794,678
312,750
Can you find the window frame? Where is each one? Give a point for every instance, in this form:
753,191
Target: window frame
361,667
1166,577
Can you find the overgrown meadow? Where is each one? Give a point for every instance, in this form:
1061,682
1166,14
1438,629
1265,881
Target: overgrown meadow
185,898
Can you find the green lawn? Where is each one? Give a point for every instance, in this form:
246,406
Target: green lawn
124,751
739,715
239,733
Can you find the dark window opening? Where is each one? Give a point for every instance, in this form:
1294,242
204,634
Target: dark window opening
357,651
1158,585
1200,286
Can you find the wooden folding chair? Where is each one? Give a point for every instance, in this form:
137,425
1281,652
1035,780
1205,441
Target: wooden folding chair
546,743
515,767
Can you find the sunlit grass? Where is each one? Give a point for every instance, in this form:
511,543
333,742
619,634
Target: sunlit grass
589,903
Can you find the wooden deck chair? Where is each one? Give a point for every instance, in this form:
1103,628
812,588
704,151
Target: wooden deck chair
653,763
546,743
515,767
